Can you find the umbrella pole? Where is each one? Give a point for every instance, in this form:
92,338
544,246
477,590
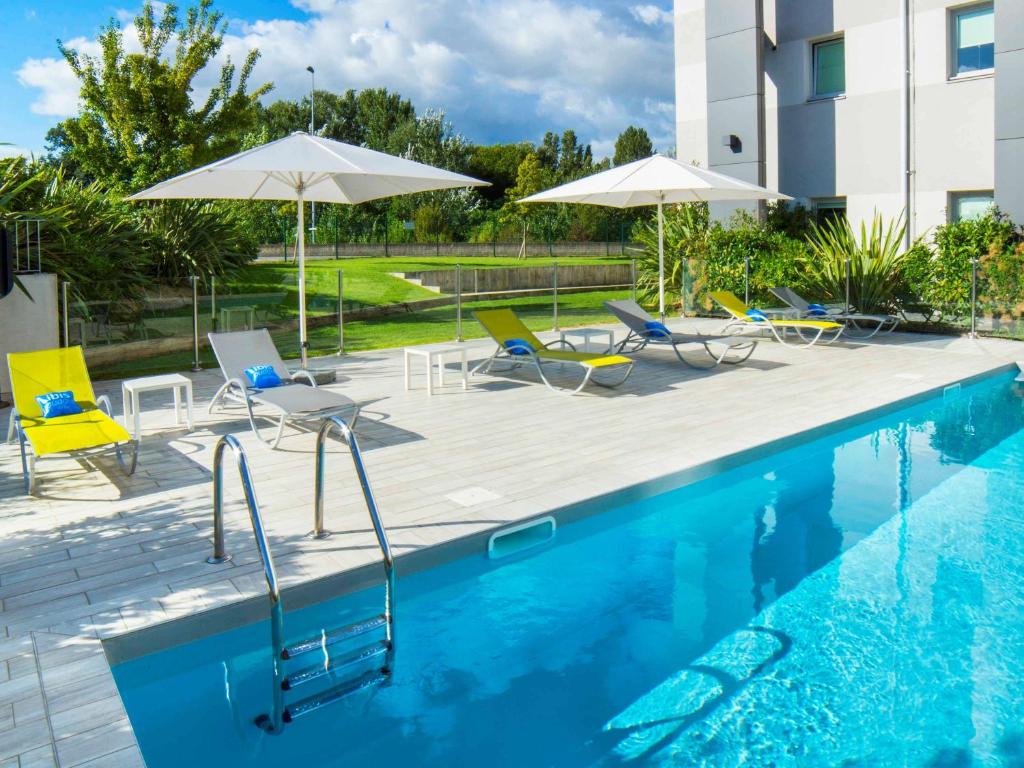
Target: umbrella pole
300,255
661,261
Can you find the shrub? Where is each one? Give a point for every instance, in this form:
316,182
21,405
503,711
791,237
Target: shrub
875,255
938,279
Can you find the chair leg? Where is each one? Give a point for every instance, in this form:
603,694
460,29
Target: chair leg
218,396
12,429
27,464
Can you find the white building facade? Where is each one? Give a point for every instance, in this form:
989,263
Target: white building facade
858,105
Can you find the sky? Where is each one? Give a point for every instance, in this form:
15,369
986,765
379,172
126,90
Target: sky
501,70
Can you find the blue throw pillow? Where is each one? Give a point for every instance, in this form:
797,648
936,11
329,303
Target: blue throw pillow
518,346
756,314
816,306
657,330
58,404
263,376
816,312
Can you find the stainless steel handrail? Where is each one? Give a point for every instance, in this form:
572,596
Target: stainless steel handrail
371,506
272,722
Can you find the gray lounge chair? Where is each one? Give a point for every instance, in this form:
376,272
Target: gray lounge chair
640,336
852,320
292,401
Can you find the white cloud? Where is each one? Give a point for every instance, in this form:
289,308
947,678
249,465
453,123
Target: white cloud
56,83
651,15
501,69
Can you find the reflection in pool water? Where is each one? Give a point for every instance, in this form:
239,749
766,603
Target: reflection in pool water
852,601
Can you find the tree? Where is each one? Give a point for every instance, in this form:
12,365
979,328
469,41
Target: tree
632,144
498,164
531,177
138,123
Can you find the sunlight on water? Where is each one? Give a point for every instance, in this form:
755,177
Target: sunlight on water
854,601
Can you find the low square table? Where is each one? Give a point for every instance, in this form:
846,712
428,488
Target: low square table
132,388
436,355
590,333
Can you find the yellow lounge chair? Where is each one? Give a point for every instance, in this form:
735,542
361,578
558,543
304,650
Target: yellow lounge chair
91,431
517,344
743,319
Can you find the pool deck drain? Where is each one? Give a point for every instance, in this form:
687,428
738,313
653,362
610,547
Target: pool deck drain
97,556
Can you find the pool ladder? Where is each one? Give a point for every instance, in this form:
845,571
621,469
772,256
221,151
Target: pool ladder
370,664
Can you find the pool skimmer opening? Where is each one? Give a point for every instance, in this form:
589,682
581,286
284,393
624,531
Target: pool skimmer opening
521,537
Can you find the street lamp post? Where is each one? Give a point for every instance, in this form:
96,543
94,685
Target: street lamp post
312,132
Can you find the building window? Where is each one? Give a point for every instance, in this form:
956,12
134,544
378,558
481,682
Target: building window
970,205
829,210
829,68
974,38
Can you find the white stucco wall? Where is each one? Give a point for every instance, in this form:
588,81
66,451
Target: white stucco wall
27,324
850,147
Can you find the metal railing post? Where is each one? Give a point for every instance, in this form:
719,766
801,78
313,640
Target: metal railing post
849,263
213,304
64,311
746,280
195,324
341,313
632,276
371,506
974,298
458,302
274,721
554,293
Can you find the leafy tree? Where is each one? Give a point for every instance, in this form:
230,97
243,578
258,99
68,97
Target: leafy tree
138,123
632,144
498,164
531,177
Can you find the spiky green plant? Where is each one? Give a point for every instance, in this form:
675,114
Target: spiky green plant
875,255
687,229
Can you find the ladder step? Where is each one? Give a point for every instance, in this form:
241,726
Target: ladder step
317,671
313,703
334,636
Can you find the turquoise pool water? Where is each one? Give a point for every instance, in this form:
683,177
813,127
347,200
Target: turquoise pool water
855,601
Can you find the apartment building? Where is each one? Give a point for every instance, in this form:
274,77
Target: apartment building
858,106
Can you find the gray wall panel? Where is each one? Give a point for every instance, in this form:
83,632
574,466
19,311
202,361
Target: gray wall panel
1009,105
726,16
734,73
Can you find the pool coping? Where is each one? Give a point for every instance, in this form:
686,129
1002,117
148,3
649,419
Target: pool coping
199,625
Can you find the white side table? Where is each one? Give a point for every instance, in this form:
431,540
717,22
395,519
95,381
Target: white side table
132,388
436,355
248,314
590,333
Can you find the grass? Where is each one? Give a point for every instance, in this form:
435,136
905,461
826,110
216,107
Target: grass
369,282
400,330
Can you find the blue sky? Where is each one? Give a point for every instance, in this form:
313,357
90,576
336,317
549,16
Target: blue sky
502,70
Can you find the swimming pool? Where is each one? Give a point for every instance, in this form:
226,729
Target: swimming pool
855,600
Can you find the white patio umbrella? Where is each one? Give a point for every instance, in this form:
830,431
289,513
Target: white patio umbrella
303,168
655,180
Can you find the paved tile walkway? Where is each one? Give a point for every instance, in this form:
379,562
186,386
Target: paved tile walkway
96,555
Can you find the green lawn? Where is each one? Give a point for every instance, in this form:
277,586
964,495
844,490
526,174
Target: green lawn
368,282
399,330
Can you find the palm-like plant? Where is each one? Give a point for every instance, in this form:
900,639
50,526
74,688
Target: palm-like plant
875,256
686,240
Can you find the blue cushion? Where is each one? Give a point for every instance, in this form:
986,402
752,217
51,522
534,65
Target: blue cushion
816,306
58,404
657,330
263,376
518,346
756,314
814,311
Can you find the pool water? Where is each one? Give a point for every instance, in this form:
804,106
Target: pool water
854,601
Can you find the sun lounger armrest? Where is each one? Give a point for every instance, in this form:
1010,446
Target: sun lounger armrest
302,373
103,403
560,342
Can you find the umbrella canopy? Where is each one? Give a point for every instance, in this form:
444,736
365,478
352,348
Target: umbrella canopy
303,168
655,180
